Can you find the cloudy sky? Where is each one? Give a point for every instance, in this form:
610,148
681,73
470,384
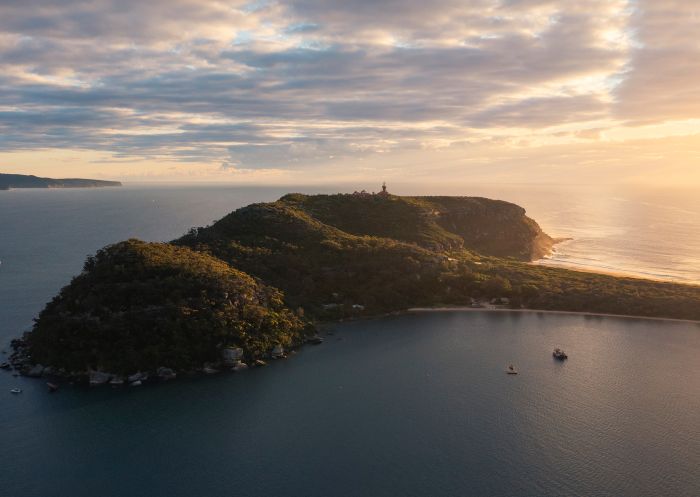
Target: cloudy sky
324,91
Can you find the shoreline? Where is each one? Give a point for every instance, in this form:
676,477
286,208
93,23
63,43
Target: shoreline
549,261
544,262
545,311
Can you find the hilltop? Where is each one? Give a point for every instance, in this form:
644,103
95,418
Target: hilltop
138,305
9,181
491,227
264,274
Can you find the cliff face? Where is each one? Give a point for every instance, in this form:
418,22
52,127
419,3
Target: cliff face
9,181
492,227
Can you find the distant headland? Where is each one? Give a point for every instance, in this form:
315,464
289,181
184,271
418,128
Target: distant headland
257,282
10,181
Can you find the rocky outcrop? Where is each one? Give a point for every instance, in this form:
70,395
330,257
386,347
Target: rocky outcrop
492,227
166,373
98,377
239,366
231,355
35,371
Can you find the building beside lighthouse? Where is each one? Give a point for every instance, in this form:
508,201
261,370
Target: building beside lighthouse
365,193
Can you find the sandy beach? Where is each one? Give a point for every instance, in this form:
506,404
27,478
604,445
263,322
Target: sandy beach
542,311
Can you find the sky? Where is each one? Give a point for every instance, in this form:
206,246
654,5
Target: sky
319,91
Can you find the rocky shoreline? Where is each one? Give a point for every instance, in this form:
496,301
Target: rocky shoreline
233,360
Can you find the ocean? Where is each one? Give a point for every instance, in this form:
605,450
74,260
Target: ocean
636,231
417,404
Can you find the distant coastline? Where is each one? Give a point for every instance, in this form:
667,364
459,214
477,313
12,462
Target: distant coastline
13,181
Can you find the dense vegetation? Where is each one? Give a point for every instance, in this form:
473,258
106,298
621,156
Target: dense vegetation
137,305
387,253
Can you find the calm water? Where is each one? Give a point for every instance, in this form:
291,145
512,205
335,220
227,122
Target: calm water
412,405
416,405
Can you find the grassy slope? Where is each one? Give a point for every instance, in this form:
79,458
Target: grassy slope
490,227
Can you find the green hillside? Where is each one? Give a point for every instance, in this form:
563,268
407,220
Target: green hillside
139,306
491,227
386,253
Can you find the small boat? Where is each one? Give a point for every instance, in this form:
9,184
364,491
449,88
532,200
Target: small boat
5,365
16,390
511,370
259,362
316,340
136,383
559,354
52,386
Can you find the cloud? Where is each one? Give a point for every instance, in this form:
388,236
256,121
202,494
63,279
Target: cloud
542,112
294,84
664,68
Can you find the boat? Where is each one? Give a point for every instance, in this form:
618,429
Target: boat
316,340
511,370
52,386
16,390
559,354
136,383
5,365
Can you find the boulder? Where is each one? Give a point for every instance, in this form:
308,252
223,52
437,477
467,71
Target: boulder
166,373
240,366
133,378
35,371
99,377
209,370
117,380
231,355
